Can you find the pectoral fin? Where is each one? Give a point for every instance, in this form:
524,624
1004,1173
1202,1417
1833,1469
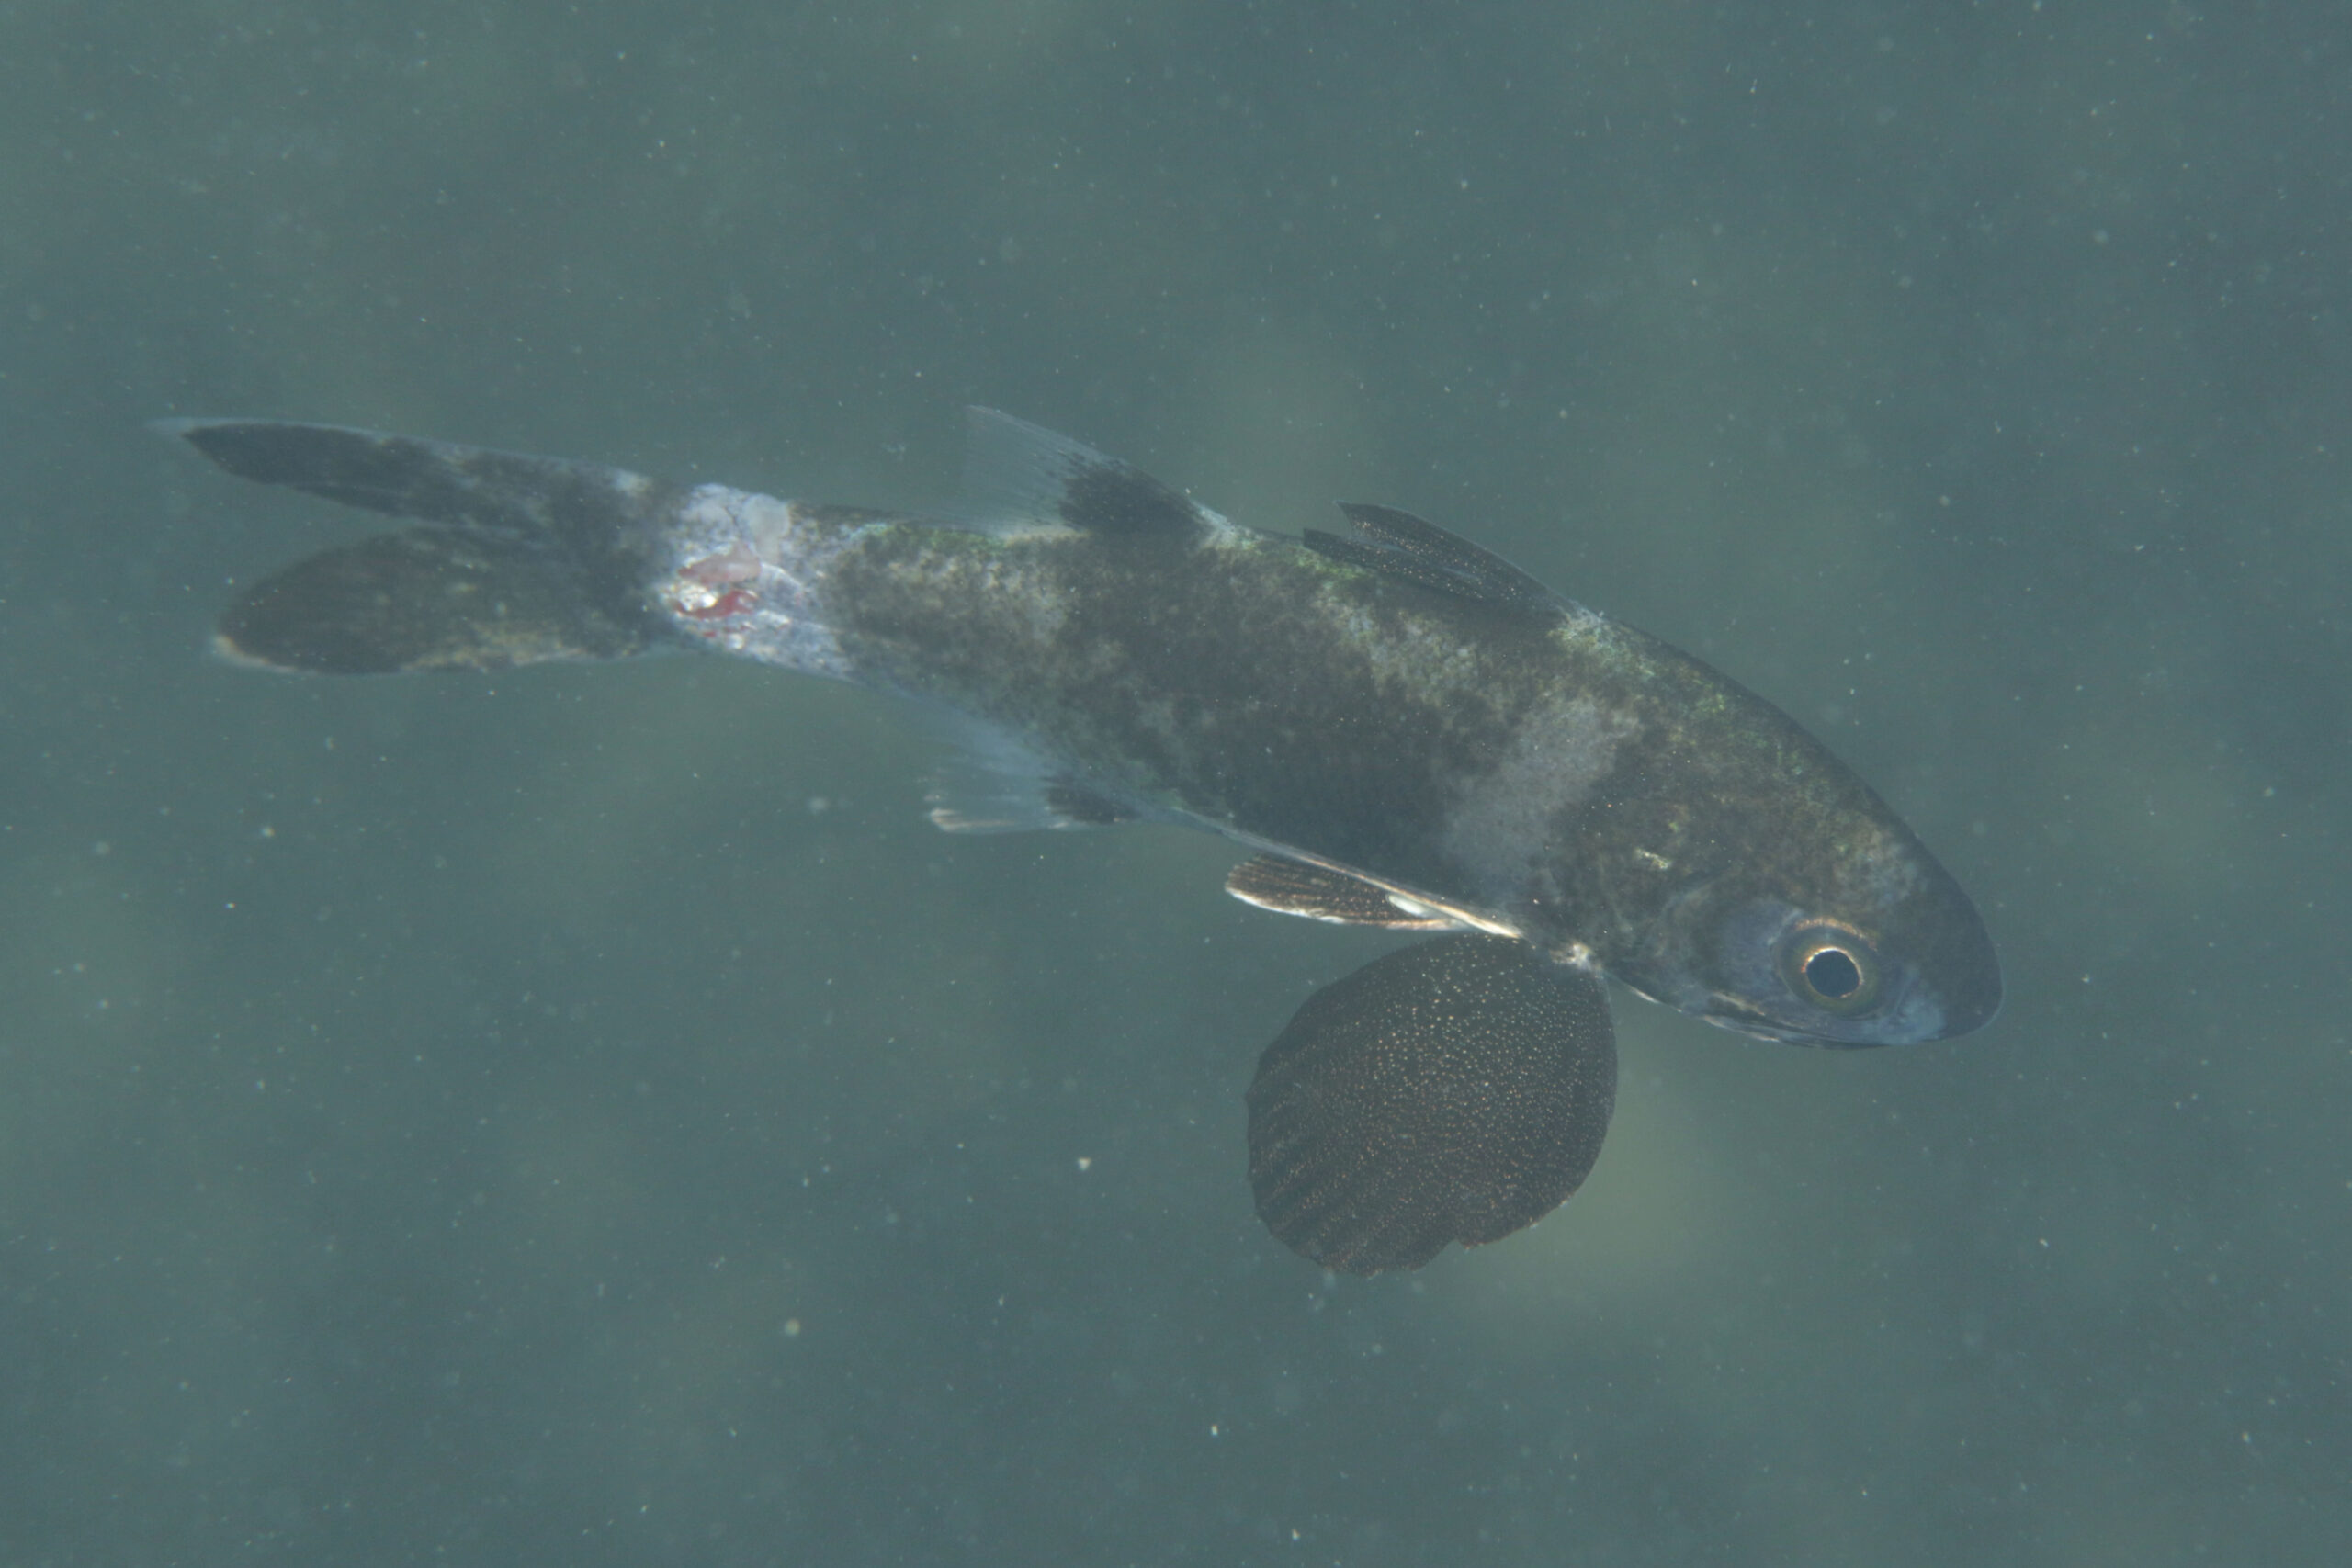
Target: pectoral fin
1455,1090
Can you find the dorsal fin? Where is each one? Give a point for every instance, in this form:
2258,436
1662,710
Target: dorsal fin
1418,551
1018,475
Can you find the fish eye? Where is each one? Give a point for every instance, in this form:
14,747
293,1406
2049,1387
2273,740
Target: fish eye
1832,968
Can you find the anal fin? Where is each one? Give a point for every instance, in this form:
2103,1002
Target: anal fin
992,782
1076,805
1453,1091
1013,809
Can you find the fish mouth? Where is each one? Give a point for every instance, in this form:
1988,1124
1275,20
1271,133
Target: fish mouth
1954,985
1974,1007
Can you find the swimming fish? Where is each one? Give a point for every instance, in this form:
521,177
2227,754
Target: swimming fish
1401,729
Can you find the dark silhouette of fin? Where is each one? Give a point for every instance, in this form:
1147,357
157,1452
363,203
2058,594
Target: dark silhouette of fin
1293,887
1017,474
1455,1091
429,481
1418,551
424,599
527,559
991,781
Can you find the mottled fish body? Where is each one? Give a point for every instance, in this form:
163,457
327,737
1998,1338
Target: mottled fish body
1411,733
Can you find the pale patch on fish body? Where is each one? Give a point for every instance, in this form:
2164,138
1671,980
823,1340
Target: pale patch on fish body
1412,734
1553,775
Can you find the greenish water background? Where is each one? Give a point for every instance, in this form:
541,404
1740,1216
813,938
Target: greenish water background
586,1115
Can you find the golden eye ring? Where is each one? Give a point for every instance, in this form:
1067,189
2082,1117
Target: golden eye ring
1833,968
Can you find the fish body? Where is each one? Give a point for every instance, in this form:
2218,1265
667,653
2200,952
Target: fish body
1408,731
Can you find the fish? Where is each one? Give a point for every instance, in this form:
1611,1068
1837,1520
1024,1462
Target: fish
1401,730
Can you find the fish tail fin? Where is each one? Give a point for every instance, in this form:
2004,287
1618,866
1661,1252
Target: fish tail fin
518,560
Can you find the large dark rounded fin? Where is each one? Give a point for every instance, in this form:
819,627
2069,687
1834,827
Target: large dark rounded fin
1453,1091
426,599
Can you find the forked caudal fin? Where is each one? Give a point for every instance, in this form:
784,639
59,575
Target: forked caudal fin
522,559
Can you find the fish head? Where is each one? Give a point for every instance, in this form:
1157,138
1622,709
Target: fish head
1857,937
1800,908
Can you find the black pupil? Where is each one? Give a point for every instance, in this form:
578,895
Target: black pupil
1833,974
